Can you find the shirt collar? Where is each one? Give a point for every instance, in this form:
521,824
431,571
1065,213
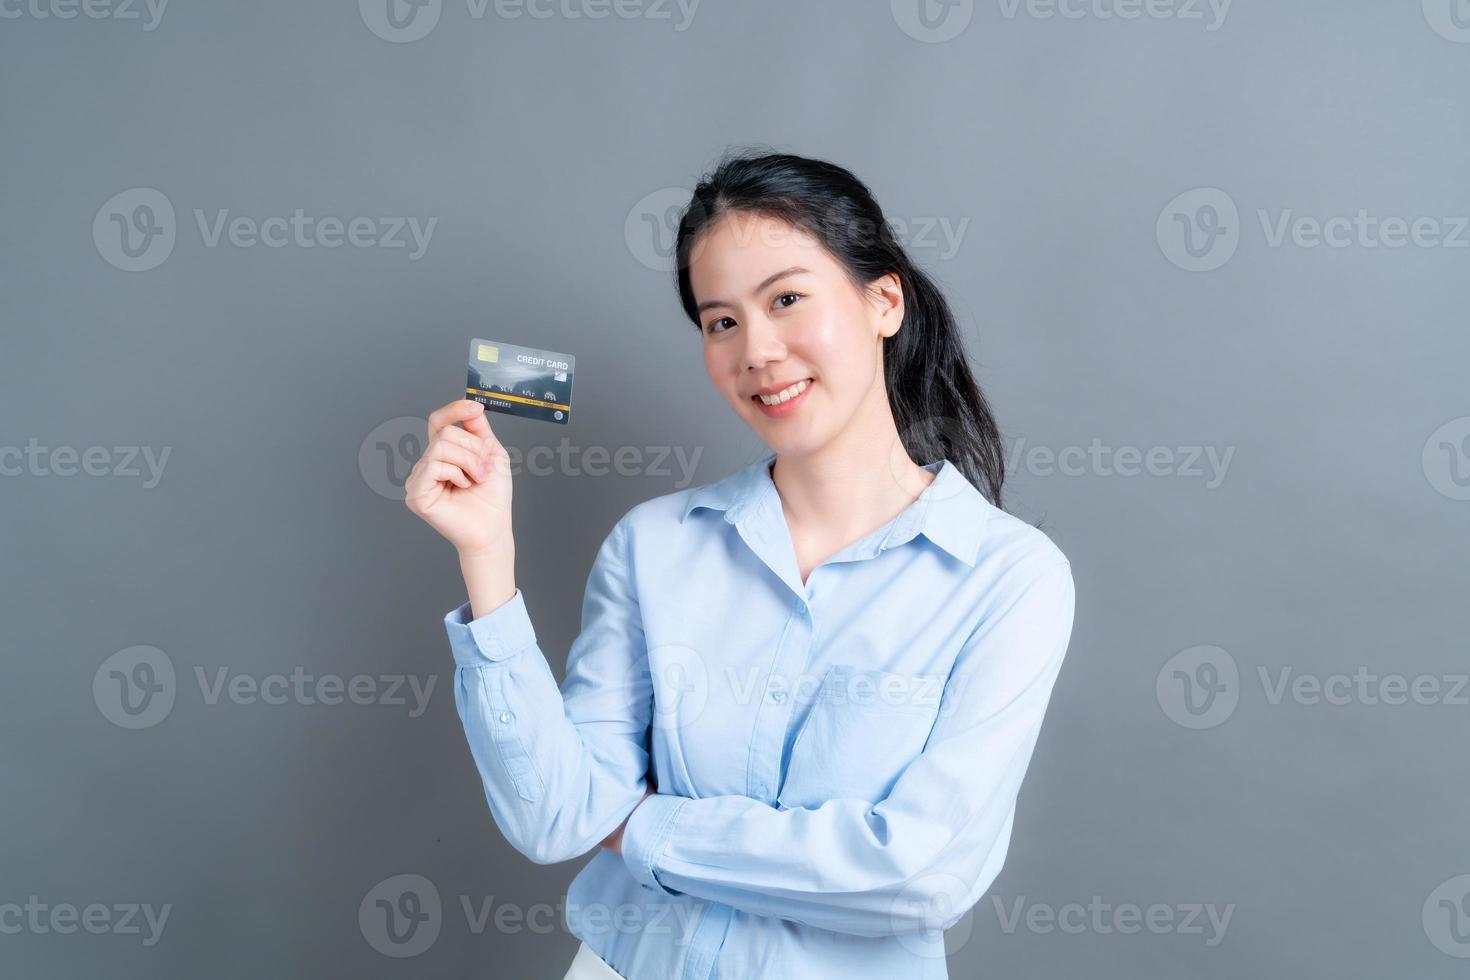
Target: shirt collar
950,511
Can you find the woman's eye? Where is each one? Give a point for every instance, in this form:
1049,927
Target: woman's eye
791,296
716,323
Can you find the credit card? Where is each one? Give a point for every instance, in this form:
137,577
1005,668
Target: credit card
524,381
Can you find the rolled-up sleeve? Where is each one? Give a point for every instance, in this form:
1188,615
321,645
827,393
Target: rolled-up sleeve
916,860
562,766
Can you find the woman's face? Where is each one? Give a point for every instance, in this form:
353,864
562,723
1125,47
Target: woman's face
776,310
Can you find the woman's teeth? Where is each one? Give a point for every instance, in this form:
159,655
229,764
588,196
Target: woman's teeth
785,394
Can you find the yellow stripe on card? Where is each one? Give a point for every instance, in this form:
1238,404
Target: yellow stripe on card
516,398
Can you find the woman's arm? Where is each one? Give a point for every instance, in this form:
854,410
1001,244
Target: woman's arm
914,861
490,582
562,767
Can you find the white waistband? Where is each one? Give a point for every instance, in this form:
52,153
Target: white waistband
587,965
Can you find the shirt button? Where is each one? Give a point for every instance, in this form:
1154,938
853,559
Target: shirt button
506,716
760,788
778,696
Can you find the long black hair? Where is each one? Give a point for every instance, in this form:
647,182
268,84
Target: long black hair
939,409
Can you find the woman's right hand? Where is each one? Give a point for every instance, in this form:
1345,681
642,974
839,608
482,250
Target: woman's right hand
461,484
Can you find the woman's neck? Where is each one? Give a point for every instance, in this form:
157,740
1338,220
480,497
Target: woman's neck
846,489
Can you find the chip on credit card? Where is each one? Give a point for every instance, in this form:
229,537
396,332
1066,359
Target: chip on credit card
524,381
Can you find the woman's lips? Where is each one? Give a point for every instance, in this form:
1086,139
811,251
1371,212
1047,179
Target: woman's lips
782,409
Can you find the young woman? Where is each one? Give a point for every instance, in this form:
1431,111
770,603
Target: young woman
803,699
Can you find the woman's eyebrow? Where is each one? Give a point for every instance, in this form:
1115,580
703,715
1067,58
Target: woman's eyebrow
711,303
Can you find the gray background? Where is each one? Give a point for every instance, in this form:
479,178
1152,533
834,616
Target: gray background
272,542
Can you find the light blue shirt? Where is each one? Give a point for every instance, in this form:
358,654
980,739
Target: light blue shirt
837,761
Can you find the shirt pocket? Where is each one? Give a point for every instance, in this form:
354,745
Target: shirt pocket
864,727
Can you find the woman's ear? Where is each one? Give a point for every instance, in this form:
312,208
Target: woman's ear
886,293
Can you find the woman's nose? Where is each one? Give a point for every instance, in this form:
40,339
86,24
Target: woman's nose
763,343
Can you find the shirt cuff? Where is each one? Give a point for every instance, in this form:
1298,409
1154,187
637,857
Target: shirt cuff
498,635
647,834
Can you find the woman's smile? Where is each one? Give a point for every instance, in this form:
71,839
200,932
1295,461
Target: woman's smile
783,401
